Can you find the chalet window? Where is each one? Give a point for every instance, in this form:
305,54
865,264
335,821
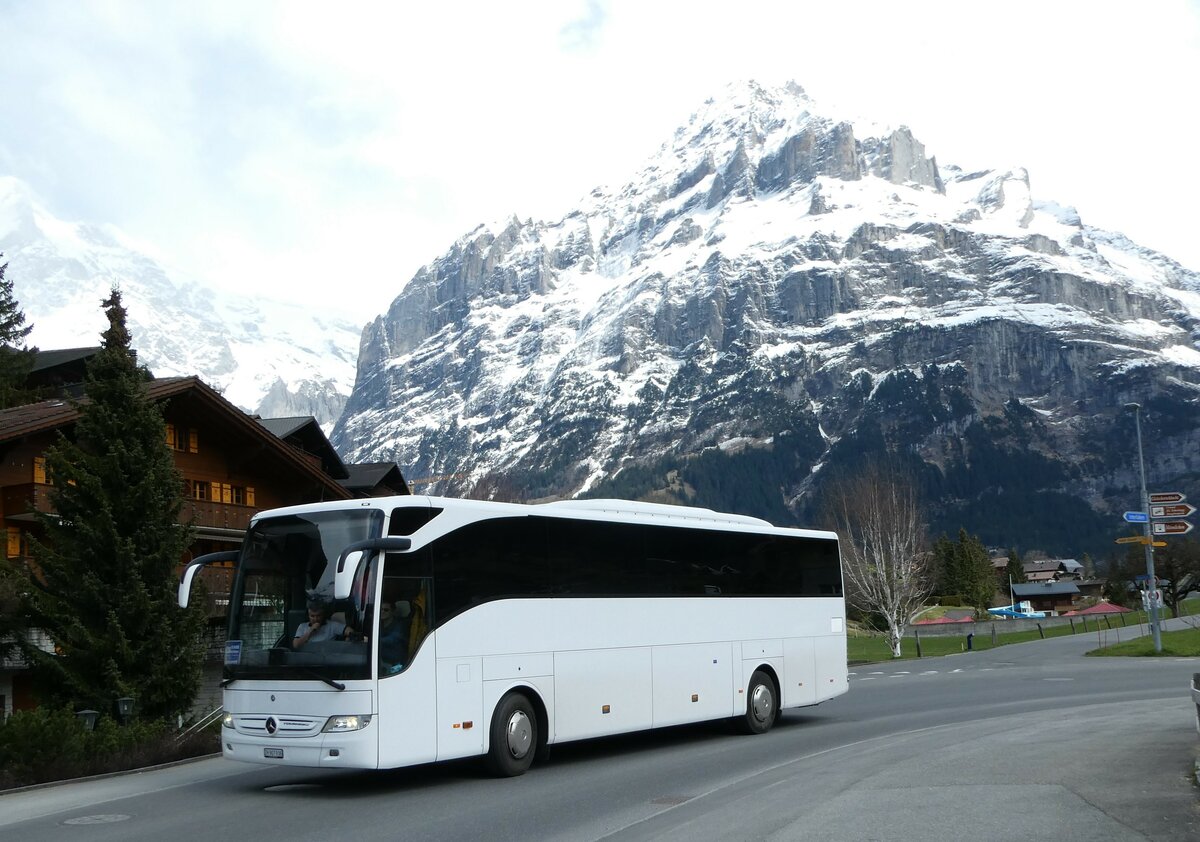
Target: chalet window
200,490
183,438
239,495
39,470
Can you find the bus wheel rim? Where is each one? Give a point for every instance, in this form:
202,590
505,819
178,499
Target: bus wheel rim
520,734
761,703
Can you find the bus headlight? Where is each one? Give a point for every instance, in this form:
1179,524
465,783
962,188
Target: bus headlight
341,724
227,720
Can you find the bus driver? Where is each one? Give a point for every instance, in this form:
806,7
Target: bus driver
319,627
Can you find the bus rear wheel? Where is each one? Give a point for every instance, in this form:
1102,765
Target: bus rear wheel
762,705
514,736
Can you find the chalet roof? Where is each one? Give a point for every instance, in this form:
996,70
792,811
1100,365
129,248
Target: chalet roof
1045,589
1044,566
366,476
304,433
1102,607
22,421
50,359
284,427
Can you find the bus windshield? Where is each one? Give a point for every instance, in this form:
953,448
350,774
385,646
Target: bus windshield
283,620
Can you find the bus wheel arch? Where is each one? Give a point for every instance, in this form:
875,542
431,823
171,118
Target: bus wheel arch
762,701
517,733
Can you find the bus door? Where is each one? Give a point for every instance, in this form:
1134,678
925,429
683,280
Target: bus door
405,661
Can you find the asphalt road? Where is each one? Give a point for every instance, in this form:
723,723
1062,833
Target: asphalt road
1031,741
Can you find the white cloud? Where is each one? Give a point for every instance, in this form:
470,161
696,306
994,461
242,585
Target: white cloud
306,147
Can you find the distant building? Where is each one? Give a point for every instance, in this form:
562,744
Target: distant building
1053,570
1051,597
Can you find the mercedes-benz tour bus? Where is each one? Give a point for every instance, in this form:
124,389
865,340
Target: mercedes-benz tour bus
460,627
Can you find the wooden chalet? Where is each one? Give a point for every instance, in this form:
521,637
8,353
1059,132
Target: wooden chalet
232,464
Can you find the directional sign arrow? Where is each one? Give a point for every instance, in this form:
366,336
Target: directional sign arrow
1131,539
1178,510
1171,527
1167,497
1137,517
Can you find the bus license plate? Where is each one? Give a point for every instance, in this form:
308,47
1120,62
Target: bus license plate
276,753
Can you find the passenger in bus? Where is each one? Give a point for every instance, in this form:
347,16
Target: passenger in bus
319,626
393,637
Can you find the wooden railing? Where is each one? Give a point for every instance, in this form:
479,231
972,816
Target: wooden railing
216,515
30,497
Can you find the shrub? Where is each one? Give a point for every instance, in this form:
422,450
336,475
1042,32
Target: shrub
51,744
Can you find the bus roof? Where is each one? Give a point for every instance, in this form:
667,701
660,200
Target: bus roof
654,510
590,509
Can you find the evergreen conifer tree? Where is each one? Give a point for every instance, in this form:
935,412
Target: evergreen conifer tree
976,566
103,584
943,560
1015,570
16,360
966,569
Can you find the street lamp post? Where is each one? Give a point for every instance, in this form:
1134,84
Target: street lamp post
1148,537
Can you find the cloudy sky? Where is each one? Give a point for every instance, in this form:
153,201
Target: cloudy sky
331,149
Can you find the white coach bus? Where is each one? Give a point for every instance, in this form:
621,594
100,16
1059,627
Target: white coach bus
468,628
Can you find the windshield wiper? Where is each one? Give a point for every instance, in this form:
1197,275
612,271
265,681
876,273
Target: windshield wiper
227,681
336,685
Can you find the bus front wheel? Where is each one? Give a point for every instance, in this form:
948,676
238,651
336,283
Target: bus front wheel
762,705
514,736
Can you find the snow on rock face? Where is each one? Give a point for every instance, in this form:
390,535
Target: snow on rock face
262,355
763,278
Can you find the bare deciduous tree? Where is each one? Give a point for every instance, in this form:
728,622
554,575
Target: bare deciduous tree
885,557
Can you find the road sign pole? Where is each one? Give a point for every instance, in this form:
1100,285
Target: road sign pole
1152,583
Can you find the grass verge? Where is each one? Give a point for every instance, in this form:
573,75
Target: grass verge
1175,644
873,648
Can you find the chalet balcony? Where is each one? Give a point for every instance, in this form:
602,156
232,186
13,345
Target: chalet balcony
21,500
207,514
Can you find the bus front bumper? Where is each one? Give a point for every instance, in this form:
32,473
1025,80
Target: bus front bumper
340,750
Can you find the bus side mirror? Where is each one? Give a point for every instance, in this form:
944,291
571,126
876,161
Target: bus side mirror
189,572
344,578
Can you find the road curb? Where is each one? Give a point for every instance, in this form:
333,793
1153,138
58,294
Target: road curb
103,775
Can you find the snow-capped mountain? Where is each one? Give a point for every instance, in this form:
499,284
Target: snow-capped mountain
270,357
778,292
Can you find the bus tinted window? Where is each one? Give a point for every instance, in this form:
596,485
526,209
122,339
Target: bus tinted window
537,556
590,558
486,560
